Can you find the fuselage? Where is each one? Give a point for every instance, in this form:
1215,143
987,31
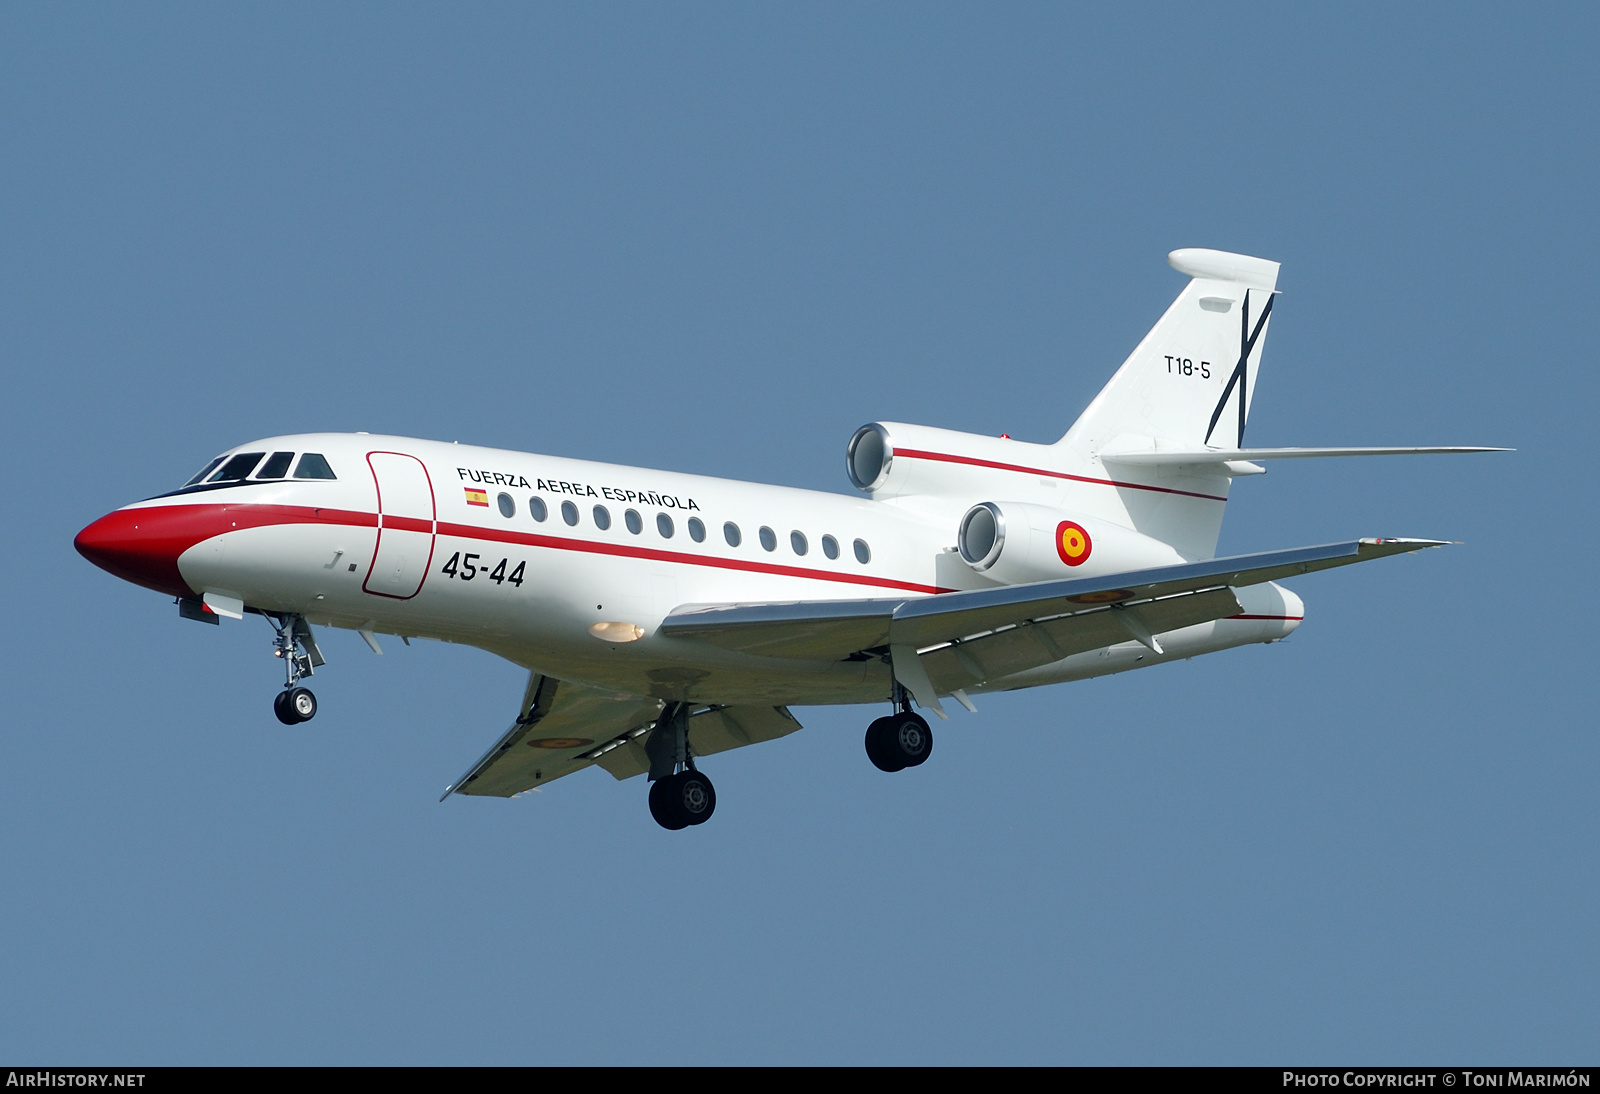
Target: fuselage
568,566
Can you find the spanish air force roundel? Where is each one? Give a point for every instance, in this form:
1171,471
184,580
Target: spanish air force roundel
1072,543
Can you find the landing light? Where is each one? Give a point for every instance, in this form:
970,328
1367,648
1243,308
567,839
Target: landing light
617,632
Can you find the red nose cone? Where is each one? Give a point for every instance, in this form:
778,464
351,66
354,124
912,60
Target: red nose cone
141,546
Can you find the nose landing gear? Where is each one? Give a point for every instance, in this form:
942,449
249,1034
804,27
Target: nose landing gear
298,650
900,740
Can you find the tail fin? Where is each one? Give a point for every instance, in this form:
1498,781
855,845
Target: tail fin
1190,382
1188,385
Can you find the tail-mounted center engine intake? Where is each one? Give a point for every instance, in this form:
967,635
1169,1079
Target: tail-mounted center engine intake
1017,542
889,459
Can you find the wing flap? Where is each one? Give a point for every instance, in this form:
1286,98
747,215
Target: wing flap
980,658
717,729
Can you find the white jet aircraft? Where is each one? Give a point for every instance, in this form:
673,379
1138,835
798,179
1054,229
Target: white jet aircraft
666,617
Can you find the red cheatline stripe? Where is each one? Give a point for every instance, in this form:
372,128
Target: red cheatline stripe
213,520
944,457
201,522
506,535
1242,616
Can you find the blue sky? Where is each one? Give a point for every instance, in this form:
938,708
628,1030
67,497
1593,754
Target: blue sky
718,239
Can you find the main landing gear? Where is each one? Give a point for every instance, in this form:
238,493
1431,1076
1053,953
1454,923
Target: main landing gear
300,655
679,795
900,740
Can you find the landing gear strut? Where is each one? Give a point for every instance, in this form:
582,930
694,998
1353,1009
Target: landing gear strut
900,740
679,795
298,650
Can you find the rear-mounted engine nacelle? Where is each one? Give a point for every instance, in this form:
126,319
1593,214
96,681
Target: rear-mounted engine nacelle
1016,542
891,459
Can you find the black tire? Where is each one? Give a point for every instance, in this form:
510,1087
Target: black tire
877,745
908,741
280,707
301,703
695,796
662,806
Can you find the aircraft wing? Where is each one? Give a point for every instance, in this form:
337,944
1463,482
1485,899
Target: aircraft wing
966,637
563,726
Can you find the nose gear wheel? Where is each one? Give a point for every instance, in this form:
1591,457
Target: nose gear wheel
294,706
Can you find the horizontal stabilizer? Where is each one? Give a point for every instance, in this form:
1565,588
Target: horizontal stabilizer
1170,458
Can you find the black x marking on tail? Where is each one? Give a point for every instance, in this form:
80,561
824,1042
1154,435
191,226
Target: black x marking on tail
1241,371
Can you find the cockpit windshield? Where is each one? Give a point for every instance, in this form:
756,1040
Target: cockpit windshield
237,468
204,471
313,465
245,468
276,467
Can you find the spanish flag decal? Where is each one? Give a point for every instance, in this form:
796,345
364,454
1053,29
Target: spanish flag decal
478,497
1072,543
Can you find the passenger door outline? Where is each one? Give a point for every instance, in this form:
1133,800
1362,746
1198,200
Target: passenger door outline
405,545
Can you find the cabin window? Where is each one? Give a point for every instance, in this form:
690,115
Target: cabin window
537,508
313,466
237,467
508,508
569,513
602,517
664,525
730,532
277,466
769,541
797,542
634,521
697,530
830,546
863,552
204,471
